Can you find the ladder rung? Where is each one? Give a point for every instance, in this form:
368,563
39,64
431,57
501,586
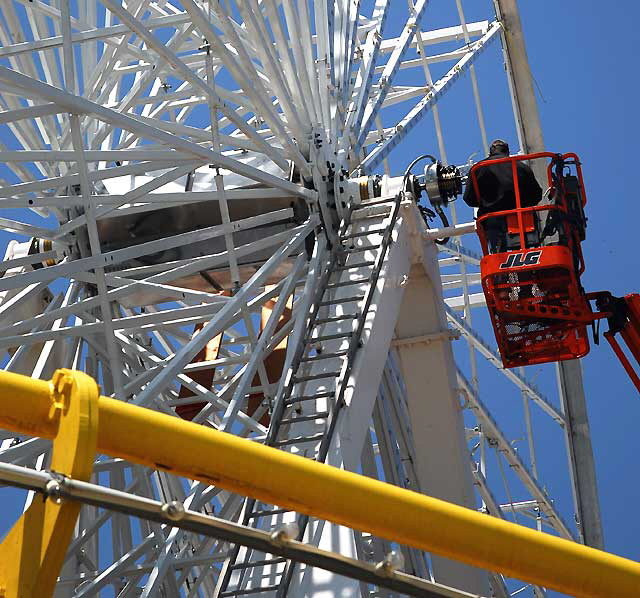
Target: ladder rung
367,204
341,318
328,337
249,591
259,563
356,265
346,283
363,233
321,356
299,440
342,300
305,418
320,376
360,248
300,399
363,215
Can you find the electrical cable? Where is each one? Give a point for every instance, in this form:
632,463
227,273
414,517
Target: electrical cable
407,172
427,213
445,223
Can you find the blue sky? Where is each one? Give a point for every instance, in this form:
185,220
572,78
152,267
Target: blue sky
582,64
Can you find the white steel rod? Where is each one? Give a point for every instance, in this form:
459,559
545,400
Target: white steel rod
456,230
435,110
529,428
439,36
512,457
70,102
494,357
94,245
474,81
388,74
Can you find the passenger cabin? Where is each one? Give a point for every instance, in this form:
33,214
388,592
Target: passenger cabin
531,278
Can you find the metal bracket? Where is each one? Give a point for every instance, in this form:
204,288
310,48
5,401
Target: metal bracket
32,553
445,335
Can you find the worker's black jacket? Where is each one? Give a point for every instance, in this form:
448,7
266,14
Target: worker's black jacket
495,183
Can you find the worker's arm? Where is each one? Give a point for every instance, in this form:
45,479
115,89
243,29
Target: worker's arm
537,187
532,188
470,197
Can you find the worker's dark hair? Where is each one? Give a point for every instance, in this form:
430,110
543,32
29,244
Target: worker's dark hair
498,146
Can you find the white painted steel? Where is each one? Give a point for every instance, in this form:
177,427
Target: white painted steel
581,461
442,462
172,150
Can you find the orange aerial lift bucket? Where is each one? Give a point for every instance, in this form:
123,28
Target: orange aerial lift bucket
531,277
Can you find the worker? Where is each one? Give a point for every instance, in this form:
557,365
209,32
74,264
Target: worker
497,193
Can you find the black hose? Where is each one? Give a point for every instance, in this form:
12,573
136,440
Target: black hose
427,214
445,223
407,172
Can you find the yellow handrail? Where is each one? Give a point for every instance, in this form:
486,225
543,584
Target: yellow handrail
163,442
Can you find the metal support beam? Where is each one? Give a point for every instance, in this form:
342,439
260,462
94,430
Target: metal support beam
569,372
184,448
520,78
442,463
580,451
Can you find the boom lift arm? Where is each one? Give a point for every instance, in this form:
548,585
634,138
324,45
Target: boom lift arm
623,316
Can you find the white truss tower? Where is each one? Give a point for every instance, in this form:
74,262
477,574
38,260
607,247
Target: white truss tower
192,215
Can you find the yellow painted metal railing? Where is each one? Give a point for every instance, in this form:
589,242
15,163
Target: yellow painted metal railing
160,441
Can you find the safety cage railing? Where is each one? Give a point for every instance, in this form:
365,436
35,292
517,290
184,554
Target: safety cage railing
533,262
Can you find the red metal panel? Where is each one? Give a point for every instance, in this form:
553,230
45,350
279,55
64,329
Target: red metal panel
204,377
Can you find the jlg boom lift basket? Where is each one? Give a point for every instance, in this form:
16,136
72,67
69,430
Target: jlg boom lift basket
531,273
531,281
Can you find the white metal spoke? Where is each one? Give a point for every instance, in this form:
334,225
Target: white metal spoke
430,99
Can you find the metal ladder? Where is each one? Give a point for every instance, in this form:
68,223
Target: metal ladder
304,422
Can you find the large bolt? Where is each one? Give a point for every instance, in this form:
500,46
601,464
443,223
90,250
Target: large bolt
285,533
173,510
53,490
392,562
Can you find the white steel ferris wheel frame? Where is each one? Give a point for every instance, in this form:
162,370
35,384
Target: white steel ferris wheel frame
125,124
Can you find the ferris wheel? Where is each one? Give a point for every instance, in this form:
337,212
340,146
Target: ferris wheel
205,208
